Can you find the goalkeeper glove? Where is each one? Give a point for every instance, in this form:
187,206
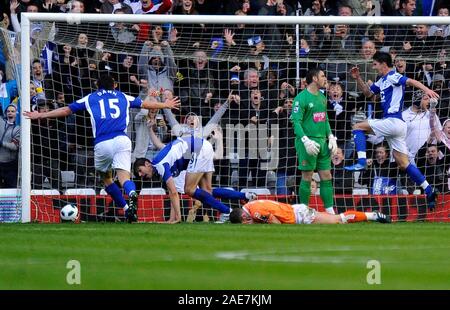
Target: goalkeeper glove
332,144
312,147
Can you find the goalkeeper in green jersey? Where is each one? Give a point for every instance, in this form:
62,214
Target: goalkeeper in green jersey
312,129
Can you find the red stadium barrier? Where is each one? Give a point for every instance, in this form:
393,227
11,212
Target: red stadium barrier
156,208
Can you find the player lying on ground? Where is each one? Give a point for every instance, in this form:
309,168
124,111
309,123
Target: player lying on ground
109,113
195,155
391,88
273,212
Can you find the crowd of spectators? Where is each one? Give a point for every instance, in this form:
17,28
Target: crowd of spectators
252,69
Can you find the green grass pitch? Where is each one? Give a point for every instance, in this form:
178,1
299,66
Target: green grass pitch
226,256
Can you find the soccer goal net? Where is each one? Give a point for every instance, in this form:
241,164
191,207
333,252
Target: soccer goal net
239,76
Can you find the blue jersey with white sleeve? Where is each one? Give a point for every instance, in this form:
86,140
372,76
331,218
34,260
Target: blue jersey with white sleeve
109,112
175,156
391,88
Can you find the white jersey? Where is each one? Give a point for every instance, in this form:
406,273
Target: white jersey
418,130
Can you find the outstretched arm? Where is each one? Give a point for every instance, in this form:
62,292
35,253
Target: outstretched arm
60,112
426,90
152,103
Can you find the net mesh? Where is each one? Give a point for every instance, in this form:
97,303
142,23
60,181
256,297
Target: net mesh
258,71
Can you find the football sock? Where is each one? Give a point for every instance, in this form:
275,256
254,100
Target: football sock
305,192
326,193
210,201
360,145
330,210
129,187
227,194
114,191
371,216
353,217
417,176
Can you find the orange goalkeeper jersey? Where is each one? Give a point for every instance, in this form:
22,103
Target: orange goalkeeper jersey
262,210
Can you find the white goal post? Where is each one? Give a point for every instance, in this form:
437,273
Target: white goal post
28,18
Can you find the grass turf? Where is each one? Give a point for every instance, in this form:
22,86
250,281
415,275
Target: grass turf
209,256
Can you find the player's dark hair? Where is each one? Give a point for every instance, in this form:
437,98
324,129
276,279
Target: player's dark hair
383,57
138,163
236,216
105,81
312,73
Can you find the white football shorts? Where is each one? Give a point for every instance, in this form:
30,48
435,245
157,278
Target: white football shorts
113,153
393,130
304,214
203,161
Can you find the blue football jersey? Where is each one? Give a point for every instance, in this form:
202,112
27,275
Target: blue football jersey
109,111
175,156
391,88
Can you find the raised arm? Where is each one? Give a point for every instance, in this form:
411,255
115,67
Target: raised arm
170,118
218,115
362,86
60,112
436,131
170,59
155,140
218,143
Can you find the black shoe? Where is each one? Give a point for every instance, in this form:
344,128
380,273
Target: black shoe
431,200
131,213
383,218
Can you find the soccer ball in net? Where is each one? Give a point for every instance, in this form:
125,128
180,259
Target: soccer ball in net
69,213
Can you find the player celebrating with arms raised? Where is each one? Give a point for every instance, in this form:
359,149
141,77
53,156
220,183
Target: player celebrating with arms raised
311,127
391,88
109,112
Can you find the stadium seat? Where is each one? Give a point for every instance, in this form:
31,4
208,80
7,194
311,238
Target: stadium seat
10,192
234,178
45,192
67,179
257,191
234,158
417,192
79,191
271,181
153,191
360,191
